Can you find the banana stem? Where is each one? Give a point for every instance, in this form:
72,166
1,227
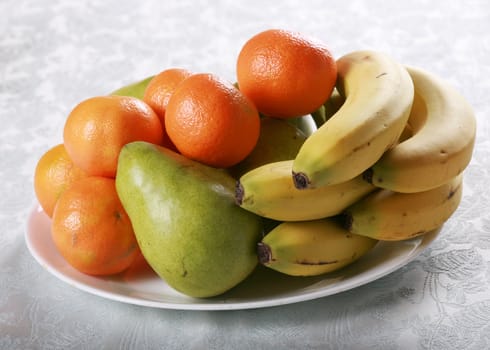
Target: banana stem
346,220
300,180
264,253
239,193
368,175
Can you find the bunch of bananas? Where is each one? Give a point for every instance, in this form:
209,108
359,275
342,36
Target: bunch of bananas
386,163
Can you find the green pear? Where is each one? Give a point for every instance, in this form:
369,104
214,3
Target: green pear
333,104
136,89
278,140
305,123
185,220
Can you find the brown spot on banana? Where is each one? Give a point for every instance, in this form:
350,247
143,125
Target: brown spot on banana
305,262
453,191
358,148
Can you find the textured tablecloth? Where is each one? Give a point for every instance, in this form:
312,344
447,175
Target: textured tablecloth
53,54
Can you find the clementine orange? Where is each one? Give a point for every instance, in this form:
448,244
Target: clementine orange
211,121
91,229
158,92
161,87
286,74
98,127
54,172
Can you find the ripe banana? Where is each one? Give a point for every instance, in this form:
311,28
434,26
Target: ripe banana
269,192
392,216
415,122
378,97
333,104
310,248
439,150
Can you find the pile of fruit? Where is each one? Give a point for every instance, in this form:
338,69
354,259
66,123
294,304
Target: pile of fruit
302,165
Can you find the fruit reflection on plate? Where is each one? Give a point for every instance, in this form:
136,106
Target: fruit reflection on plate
139,285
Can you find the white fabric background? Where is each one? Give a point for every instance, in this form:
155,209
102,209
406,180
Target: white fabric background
53,54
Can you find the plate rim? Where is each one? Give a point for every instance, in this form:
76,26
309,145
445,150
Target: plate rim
197,304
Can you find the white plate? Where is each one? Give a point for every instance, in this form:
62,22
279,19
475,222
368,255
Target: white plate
264,288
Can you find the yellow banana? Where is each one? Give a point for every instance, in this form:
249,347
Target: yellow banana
333,104
416,120
392,216
439,150
378,97
269,192
310,248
